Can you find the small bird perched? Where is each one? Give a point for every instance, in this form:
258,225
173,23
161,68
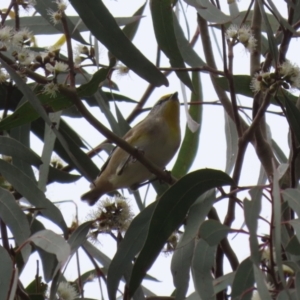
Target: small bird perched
157,137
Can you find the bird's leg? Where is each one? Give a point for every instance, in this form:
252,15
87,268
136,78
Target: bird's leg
138,185
139,150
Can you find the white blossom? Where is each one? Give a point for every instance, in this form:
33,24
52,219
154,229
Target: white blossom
66,291
55,16
232,32
3,76
25,57
122,69
57,68
6,34
61,5
60,67
19,37
291,73
111,214
51,89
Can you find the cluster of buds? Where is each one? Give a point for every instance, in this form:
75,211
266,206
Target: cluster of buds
82,52
109,215
286,76
242,35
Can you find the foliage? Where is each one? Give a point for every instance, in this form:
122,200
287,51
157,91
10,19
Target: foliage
40,87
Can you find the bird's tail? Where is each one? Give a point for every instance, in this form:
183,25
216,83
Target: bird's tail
92,196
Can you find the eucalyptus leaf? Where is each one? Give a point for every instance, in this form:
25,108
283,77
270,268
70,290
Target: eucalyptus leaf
169,214
103,26
6,273
13,216
162,18
203,261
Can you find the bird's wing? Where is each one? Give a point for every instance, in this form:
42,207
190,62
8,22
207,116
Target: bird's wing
107,161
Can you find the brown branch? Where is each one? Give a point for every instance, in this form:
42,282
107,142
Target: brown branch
205,69
286,39
5,15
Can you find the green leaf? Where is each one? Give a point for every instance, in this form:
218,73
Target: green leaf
102,25
44,6
189,55
292,196
183,255
169,213
27,113
103,259
243,281
13,285
38,25
162,17
231,143
56,175
276,224
52,243
209,12
13,216
297,283
180,267
213,232
282,21
116,98
14,96
36,288
14,148
296,225
189,146
123,124
129,247
92,86
31,97
290,294
203,262
22,134
28,188
6,273
221,283
238,20
261,283
38,129
293,117
251,212
79,236
242,86
130,29
49,141
272,42
279,153
49,263
293,247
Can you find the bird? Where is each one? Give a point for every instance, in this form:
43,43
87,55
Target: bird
157,136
